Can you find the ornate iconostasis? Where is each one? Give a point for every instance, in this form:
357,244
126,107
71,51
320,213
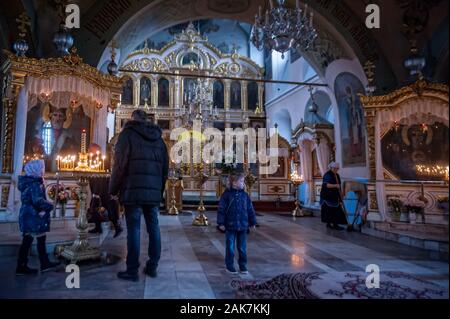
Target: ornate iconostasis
238,97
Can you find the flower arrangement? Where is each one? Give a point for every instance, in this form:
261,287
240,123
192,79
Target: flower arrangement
52,191
63,197
396,204
415,206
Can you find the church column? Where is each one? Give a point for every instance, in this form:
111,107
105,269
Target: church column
227,84
370,120
10,99
177,89
136,92
154,96
375,190
261,95
244,93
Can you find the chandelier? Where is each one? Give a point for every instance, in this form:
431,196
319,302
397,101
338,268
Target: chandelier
199,103
282,29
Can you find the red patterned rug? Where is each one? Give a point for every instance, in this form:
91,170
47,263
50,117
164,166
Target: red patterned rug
346,285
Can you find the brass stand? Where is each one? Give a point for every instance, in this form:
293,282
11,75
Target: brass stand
173,210
297,212
201,219
81,249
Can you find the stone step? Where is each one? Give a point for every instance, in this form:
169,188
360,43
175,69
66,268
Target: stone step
436,245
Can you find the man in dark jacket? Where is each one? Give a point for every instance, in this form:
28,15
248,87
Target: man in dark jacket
138,176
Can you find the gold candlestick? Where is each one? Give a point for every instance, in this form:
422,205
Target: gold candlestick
173,210
201,219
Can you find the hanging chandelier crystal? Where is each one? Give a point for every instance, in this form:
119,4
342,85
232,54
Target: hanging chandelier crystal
281,29
199,103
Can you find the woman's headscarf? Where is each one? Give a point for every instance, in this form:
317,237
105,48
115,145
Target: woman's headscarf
35,168
333,165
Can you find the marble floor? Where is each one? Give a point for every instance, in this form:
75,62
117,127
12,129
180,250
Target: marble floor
192,261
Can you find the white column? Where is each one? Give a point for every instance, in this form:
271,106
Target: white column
100,123
19,149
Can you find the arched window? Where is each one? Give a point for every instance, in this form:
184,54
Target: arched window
163,92
47,137
235,95
218,94
127,92
146,91
252,95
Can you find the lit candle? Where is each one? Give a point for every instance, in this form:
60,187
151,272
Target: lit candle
260,11
311,19
83,141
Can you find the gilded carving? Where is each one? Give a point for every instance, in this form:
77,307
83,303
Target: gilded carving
373,201
5,193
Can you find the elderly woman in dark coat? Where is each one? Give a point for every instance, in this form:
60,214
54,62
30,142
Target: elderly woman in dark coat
331,199
34,217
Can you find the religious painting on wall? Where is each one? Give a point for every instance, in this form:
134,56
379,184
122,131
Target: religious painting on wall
218,94
417,144
53,131
235,95
127,92
351,118
163,92
281,170
146,91
190,58
252,96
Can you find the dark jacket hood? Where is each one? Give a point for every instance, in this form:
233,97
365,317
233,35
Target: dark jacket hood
25,181
147,130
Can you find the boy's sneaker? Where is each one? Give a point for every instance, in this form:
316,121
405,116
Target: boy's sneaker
231,270
243,270
25,270
49,266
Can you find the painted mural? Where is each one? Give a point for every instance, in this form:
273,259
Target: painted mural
351,118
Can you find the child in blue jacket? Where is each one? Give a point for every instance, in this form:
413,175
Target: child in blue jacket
34,217
235,215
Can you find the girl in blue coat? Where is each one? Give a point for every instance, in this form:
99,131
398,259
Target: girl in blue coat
34,217
235,215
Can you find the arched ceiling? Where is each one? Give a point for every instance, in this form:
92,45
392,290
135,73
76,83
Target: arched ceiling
341,23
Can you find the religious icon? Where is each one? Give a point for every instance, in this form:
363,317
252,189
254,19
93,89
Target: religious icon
218,95
252,95
127,92
163,92
416,144
146,88
53,131
235,98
